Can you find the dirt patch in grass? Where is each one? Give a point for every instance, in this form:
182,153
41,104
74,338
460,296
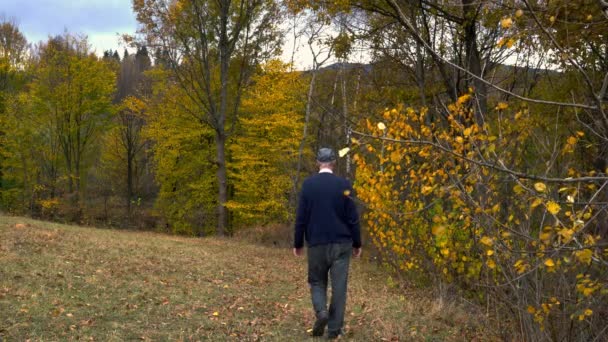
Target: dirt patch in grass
60,282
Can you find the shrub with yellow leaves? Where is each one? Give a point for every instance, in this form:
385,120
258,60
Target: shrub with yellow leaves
449,200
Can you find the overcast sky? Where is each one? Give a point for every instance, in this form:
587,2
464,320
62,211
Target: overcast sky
100,20
103,21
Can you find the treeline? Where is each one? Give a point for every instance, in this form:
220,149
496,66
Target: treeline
112,141
477,137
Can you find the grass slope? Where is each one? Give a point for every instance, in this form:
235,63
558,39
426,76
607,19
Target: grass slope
60,282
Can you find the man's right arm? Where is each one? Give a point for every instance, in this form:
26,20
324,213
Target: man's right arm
301,222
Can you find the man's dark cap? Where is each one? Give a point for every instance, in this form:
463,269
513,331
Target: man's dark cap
326,155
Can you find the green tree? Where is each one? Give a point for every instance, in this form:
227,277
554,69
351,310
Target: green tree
212,48
266,149
183,154
71,97
13,62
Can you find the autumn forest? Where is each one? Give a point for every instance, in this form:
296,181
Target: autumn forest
475,133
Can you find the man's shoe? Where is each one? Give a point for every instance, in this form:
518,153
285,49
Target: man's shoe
332,335
319,328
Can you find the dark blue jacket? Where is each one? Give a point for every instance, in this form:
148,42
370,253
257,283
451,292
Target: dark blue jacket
326,212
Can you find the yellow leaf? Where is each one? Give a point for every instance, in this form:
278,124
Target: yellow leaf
489,252
588,312
536,203
584,256
427,190
553,207
549,263
343,152
519,13
486,241
347,192
540,187
571,140
491,264
503,105
381,126
216,313
545,235
395,156
464,98
566,234
467,131
506,23
438,230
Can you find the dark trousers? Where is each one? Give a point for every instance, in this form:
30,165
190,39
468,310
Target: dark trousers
333,259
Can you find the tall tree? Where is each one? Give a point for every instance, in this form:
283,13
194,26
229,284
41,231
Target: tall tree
71,94
212,48
266,149
183,153
13,53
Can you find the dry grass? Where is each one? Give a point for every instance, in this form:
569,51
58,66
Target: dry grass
60,282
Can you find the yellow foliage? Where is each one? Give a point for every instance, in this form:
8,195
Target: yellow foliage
540,187
487,241
553,207
502,105
458,219
438,230
585,256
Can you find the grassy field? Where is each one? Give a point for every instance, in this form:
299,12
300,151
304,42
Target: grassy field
60,282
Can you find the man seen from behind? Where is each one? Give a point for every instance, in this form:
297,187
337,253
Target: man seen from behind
327,218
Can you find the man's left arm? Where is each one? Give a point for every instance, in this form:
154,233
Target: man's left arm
352,218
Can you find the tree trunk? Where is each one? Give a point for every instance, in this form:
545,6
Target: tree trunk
345,118
311,88
220,135
129,180
222,212
473,60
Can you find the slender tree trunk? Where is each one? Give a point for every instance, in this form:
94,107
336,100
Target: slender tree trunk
345,117
129,179
473,60
222,180
220,135
311,89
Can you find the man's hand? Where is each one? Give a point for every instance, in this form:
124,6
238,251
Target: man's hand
298,251
357,252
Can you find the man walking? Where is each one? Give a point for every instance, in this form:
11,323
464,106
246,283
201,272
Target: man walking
328,218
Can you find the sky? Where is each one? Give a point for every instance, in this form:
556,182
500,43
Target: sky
101,20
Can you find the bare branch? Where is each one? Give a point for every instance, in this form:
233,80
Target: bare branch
405,21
